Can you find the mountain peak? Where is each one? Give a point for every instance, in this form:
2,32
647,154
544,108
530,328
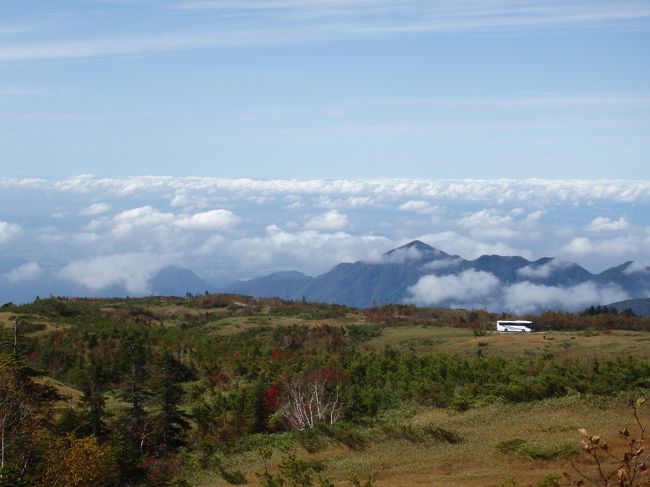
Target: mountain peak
417,244
414,250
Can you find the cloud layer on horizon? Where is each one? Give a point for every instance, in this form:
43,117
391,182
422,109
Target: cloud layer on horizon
237,228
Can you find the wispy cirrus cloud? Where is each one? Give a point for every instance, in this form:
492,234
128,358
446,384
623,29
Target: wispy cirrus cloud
274,22
434,14
23,91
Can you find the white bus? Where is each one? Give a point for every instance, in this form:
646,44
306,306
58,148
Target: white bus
516,326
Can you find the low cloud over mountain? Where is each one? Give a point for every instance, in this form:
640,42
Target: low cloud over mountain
420,274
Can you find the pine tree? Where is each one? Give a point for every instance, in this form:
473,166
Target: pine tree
171,421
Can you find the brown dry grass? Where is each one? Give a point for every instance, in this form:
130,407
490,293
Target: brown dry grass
557,345
7,319
234,325
69,395
476,461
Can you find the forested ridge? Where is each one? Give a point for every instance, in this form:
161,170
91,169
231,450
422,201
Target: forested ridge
151,391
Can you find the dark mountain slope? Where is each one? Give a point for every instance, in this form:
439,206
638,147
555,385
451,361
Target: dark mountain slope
176,281
641,306
635,279
364,284
284,284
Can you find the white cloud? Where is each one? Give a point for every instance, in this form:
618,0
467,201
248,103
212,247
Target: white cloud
579,246
144,216
467,247
360,201
419,206
542,271
330,221
25,272
637,267
213,244
525,297
294,201
8,231
401,255
148,217
603,224
441,264
214,220
311,250
86,238
471,288
188,201
466,286
493,223
486,217
502,217
546,192
131,270
618,246
95,209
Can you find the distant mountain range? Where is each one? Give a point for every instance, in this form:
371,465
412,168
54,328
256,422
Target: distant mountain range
168,281
418,273
414,273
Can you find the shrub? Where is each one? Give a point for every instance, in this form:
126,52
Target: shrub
534,451
551,480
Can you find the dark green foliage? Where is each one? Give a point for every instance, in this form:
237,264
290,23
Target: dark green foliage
418,433
10,476
233,477
171,422
93,387
599,310
360,333
533,451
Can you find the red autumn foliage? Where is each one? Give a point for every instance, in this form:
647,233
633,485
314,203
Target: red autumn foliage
271,399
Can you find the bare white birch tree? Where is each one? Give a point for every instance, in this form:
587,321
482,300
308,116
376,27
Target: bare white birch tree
312,400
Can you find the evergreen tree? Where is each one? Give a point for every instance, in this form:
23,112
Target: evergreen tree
171,421
93,400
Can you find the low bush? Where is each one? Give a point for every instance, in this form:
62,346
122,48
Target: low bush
535,451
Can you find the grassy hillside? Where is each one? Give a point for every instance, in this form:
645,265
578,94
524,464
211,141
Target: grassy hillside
399,453
200,391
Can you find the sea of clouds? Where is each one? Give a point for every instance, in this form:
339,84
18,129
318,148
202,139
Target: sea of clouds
97,233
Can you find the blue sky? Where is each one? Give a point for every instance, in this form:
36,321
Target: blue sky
325,88
297,134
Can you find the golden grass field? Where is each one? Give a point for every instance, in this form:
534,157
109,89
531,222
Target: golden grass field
559,345
476,460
